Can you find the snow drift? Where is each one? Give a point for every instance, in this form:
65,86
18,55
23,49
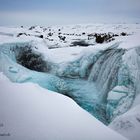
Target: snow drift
31,112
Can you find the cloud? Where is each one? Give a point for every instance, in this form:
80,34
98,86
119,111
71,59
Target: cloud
47,12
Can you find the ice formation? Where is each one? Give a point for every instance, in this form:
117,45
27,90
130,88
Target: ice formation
102,81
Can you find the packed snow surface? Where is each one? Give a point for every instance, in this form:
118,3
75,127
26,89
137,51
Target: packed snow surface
28,111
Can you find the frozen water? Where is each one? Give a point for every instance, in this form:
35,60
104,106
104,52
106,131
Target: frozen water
92,80
86,95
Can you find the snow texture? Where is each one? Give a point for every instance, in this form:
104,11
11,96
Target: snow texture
28,111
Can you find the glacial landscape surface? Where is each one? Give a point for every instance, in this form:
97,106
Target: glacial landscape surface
97,66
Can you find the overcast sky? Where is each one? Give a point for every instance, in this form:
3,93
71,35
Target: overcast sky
57,12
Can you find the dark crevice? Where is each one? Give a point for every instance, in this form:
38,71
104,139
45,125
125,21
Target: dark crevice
30,59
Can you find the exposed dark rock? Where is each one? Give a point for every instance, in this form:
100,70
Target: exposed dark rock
41,36
80,43
103,37
30,59
50,34
21,34
115,35
99,38
123,34
32,27
62,38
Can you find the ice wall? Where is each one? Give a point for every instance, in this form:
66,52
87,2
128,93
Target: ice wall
20,74
114,71
102,81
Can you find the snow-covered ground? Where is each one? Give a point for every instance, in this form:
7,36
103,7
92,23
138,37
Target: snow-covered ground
28,111
102,77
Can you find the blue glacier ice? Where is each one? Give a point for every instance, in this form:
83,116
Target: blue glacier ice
20,74
103,81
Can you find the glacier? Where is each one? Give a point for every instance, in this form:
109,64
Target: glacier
102,81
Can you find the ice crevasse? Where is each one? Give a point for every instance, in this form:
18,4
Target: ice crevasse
102,81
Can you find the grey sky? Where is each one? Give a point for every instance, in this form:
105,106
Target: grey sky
53,12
